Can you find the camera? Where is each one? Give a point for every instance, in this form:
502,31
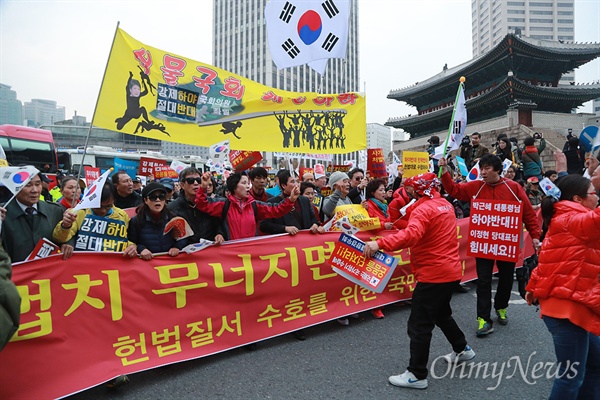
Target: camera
465,142
537,136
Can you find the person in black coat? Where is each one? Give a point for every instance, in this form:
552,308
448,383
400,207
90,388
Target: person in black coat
203,225
302,215
358,183
147,228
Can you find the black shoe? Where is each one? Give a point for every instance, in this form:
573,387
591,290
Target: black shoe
460,288
118,381
300,334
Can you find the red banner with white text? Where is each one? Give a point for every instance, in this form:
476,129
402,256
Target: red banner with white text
98,315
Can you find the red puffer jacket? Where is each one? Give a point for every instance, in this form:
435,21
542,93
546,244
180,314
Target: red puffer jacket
240,221
431,236
567,279
501,190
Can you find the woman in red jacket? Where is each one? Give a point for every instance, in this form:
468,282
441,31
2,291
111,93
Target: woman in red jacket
376,206
566,284
240,213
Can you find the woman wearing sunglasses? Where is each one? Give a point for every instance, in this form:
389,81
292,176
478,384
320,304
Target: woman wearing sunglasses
146,228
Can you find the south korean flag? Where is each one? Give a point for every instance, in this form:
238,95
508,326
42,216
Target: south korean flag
307,32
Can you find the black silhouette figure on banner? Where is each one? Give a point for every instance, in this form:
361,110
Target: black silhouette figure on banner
146,80
134,110
231,127
148,126
321,130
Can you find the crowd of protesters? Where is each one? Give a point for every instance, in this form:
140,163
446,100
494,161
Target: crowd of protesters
422,211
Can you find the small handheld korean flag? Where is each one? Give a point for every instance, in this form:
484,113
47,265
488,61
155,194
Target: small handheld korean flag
16,178
474,173
344,225
307,32
93,193
219,152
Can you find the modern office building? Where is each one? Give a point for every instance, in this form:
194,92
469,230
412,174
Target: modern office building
492,20
11,109
40,112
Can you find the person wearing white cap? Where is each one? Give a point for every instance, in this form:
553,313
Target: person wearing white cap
340,184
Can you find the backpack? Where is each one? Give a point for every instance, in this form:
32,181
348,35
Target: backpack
524,273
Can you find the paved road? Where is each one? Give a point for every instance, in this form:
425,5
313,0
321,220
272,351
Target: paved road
354,362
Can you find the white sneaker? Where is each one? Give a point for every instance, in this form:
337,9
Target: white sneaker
465,355
343,321
408,380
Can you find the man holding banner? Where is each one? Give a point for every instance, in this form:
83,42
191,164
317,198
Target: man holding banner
431,236
492,199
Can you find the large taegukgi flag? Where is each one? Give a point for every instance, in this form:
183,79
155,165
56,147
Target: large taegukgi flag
458,125
161,95
307,32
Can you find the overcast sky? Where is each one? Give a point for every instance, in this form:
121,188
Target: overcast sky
57,50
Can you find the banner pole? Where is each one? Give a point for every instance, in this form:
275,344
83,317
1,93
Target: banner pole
87,139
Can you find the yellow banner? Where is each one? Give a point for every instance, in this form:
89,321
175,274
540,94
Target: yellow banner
358,217
160,95
415,163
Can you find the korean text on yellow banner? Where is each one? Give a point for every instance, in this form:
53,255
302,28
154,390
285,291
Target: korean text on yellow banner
415,163
161,95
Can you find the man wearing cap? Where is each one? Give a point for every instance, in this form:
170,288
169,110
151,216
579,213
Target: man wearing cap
493,187
137,184
169,187
534,193
45,196
340,184
123,193
435,262
28,220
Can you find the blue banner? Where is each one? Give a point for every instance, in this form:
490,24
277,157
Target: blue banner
129,166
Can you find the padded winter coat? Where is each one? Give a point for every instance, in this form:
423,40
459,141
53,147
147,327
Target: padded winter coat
567,279
431,236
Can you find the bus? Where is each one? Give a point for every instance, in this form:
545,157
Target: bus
29,146
104,158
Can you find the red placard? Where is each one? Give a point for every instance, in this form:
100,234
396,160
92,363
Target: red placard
163,171
42,249
495,229
242,160
376,167
91,174
147,165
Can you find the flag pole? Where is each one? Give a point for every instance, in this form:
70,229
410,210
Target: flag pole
451,126
87,139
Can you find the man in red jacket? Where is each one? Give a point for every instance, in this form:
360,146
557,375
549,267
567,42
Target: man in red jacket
492,187
431,236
